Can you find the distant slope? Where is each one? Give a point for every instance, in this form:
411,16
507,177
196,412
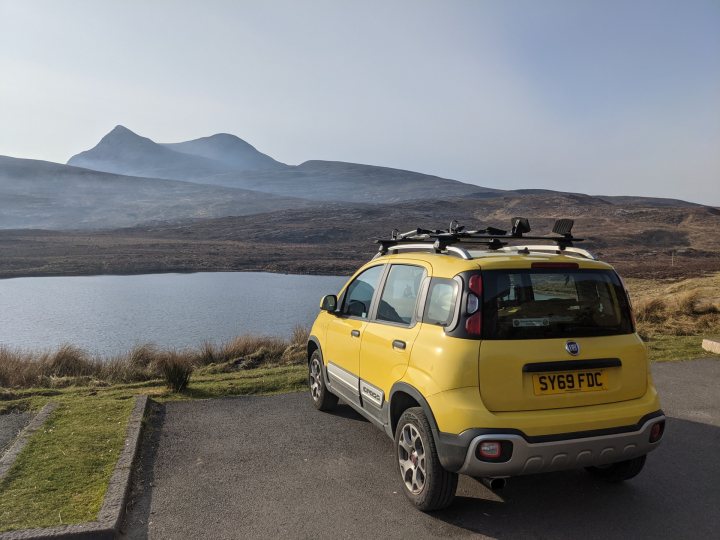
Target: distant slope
229,150
350,182
226,160
40,194
641,241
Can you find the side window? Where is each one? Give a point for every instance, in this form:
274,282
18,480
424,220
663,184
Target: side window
360,292
441,299
399,297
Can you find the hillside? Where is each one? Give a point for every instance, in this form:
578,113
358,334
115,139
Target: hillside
227,160
40,194
351,182
334,239
229,150
128,180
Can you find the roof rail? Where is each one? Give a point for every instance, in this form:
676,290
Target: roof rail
544,247
449,250
491,237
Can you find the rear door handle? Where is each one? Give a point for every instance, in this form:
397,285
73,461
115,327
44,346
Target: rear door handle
399,344
355,333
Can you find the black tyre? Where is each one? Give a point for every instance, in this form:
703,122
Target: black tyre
424,481
321,396
618,472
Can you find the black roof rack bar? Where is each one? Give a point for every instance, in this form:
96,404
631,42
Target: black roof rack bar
491,237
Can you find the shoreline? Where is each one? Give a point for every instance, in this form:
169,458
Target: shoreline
166,272
346,267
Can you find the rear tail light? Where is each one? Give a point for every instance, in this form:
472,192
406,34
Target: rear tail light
473,324
656,431
476,284
494,451
473,303
490,449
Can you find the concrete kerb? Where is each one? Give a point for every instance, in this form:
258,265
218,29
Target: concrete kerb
111,513
7,460
711,344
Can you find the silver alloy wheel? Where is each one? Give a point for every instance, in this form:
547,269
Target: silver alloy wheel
411,455
315,379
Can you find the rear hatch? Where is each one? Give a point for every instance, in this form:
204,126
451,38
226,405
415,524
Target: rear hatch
557,337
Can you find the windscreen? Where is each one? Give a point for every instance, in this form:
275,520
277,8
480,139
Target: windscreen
553,303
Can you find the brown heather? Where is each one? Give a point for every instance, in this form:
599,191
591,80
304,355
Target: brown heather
72,366
689,307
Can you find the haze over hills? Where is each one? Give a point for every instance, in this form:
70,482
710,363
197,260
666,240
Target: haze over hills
127,179
229,161
41,194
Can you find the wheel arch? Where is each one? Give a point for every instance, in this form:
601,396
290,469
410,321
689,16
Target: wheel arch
404,396
313,345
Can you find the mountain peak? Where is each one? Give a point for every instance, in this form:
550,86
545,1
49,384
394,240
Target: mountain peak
122,134
120,129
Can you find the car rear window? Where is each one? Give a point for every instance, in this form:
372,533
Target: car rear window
552,303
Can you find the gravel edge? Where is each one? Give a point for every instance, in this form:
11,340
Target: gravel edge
12,453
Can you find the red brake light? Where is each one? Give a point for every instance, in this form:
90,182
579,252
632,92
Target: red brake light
476,284
489,449
473,324
656,431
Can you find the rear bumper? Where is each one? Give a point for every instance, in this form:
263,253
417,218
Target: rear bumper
532,455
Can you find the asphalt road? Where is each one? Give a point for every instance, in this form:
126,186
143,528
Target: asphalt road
262,467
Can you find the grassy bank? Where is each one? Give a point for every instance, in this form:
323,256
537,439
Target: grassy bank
673,316
71,366
61,476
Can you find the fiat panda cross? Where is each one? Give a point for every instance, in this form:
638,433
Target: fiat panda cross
481,354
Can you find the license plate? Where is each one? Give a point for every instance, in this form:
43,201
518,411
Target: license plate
564,382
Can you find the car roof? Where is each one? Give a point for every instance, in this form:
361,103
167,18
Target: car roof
449,265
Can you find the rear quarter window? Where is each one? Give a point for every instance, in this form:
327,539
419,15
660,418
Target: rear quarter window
441,301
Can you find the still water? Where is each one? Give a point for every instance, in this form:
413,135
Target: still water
110,314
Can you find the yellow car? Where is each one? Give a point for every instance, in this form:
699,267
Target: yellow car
482,354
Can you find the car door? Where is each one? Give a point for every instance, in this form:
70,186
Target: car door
388,338
345,330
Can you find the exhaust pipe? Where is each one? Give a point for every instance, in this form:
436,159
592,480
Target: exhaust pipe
495,484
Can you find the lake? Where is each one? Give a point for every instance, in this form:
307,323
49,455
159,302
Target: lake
110,314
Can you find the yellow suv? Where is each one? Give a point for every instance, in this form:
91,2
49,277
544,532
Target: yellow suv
489,359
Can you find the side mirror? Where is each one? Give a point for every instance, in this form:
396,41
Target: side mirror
329,303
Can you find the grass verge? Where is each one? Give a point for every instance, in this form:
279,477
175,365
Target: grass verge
670,348
62,475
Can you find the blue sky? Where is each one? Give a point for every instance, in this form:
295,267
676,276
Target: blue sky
611,97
